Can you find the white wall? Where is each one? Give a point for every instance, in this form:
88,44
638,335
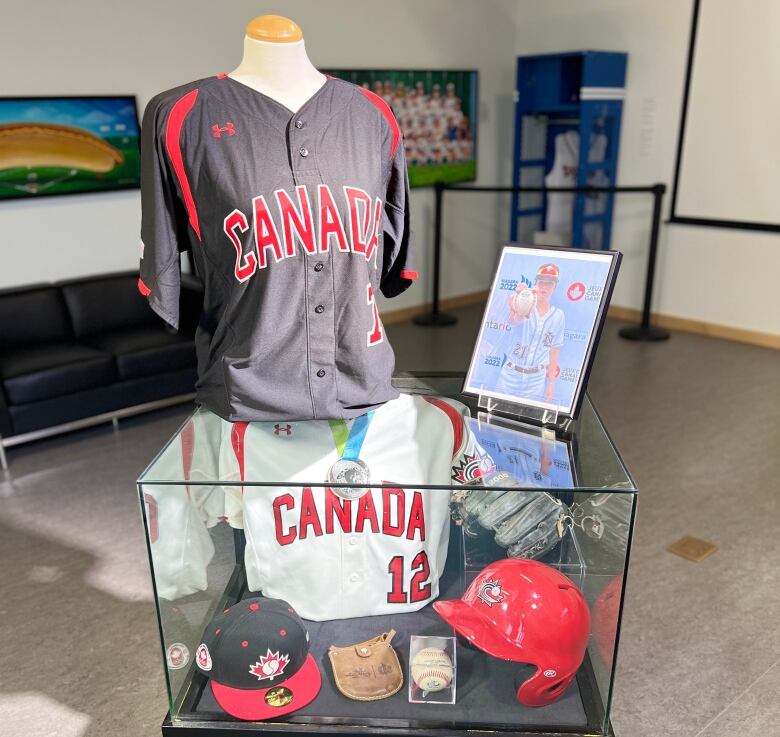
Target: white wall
94,47
713,275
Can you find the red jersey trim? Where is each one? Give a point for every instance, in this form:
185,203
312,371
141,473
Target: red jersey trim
173,127
187,449
143,289
237,434
409,274
455,419
384,108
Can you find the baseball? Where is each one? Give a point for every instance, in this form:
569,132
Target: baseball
432,669
523,302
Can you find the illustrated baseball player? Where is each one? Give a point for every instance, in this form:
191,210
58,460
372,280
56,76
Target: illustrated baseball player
531,349
334,552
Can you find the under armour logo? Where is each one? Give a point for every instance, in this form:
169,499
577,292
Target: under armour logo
278,429
228,128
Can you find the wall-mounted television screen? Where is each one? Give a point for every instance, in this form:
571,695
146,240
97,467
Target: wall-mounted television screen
67,145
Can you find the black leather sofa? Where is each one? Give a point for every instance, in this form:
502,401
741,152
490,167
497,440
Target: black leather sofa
85,348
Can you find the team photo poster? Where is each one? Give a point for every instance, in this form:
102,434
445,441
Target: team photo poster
437,112
541,326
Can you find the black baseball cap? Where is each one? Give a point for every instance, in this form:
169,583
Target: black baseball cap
256,655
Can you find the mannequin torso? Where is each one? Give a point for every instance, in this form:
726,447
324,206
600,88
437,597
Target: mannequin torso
275,63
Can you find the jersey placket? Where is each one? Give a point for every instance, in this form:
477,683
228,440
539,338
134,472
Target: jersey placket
353,565
320,300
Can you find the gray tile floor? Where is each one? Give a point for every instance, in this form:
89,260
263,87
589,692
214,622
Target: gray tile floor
697,420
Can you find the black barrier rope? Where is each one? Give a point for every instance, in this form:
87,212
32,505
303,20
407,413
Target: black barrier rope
644,331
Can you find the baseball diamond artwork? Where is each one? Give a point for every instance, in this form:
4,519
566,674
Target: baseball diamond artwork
66,145
437,113
541,325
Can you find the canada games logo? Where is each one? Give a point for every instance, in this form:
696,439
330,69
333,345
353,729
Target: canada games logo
490,592
473,468
576,291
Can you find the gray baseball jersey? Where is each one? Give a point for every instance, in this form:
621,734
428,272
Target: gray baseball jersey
295,220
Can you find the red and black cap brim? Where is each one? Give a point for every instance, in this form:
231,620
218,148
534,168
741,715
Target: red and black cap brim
252,704
477,630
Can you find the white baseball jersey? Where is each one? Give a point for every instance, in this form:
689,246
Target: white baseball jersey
329,557
560,205
178,516
384,552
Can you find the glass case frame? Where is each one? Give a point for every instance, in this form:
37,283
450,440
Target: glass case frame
594,553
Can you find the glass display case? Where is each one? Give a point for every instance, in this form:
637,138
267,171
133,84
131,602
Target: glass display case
296,563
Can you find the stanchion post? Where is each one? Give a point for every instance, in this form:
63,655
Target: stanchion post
434,317
645,331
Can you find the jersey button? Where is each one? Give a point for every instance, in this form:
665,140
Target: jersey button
303,151
319,309
321,373
353,541
299,124
319,266
355,577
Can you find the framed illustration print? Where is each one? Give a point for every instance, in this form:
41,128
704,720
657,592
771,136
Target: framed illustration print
436,110
541,326
67,145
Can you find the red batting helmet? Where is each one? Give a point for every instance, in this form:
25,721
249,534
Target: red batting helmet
548,271
525,611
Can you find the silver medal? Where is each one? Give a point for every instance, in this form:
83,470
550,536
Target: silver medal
347,471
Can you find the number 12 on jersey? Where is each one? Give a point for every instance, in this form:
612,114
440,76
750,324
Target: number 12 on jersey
419,585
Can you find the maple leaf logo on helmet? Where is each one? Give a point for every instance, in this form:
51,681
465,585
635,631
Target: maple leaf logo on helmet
269,666
490,592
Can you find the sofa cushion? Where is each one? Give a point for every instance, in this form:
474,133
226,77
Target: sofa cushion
102,304
32,315
49,412
146,351
33,373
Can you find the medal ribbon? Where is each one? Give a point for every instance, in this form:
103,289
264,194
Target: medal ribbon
349,441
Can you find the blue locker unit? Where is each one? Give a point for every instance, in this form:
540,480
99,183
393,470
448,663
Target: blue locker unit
576,91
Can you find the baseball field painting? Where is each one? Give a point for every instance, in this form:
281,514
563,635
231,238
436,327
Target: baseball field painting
541,325
67,145
437,113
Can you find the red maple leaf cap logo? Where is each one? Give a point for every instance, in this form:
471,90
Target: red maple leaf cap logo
269,666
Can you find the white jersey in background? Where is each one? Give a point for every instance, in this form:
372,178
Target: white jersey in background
560,205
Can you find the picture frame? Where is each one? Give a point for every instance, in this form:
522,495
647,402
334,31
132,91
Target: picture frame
440,139
58,145
541,361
